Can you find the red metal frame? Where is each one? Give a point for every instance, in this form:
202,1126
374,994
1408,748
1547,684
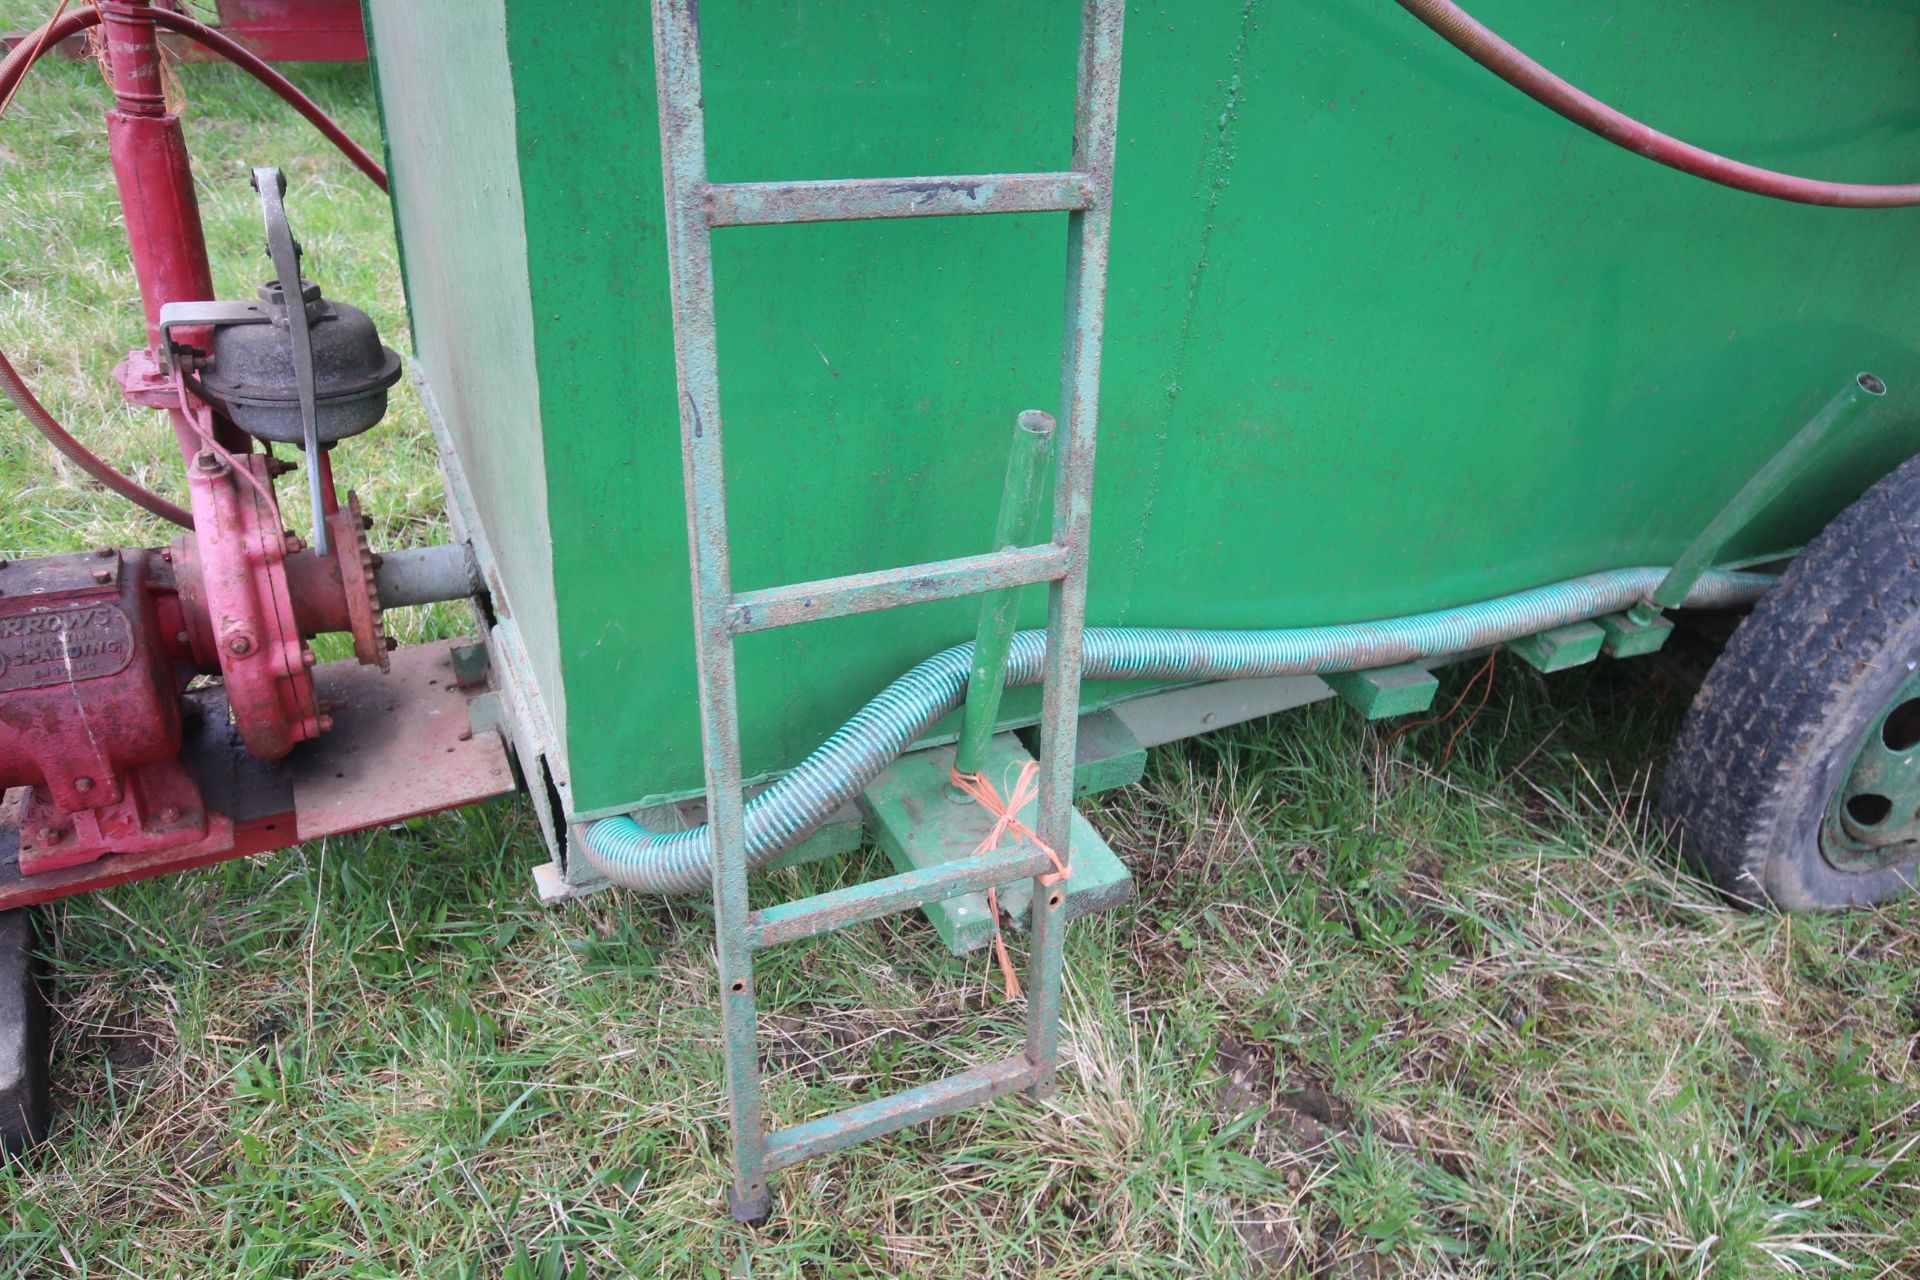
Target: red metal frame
276,30
289,30
157,200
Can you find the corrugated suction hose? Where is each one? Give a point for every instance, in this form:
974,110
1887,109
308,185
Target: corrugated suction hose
679,862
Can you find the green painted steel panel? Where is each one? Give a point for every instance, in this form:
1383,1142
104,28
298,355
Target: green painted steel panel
1383,335
457,203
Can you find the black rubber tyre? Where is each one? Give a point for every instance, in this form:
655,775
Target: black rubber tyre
26,1108
1778,722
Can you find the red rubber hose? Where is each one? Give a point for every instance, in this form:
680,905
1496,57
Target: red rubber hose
37,43
27,51
12,68
256,67
1458,28
34,412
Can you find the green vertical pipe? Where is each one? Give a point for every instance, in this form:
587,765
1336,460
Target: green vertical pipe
1767,484
1019,513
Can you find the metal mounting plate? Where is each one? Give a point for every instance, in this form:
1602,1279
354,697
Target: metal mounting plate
395,752
401,745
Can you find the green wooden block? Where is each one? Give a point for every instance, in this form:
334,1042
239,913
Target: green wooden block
1106,754
1629,639
918,825
1385,691
1563,647
837,836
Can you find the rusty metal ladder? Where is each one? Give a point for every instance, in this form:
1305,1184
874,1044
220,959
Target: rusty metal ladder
694,208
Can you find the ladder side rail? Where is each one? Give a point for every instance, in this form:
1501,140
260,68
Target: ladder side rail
683,147
1095,125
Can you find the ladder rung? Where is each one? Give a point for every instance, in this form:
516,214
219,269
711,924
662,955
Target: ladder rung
825,912
897,1111
891,588
750,204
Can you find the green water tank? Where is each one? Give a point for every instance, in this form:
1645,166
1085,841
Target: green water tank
1383,335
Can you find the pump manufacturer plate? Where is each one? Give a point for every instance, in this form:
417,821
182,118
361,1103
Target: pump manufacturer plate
60,621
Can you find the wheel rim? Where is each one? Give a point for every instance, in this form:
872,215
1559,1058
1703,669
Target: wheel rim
1873,820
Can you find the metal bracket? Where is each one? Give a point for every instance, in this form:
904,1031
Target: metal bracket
1778,476
204,315
285,254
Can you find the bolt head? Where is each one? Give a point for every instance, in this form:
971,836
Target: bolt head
170,813
52,835
306,657
103,576
326,723
105,553
83,784
207,462
240,646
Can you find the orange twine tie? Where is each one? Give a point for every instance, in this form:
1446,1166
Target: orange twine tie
1006,822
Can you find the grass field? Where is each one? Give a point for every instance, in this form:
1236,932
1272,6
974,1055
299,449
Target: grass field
1386,1006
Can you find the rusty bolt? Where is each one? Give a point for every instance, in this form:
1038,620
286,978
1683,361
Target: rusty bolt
325,723
170,813
392,644
293,542
279,466
240,646
83,784
103,576
52,835
207,462
306,657
181,637
366,522
105,553
166,553
466,735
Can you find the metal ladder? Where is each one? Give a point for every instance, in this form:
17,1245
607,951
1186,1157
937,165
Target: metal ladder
694,207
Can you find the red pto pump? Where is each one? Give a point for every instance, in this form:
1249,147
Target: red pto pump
160,707
97,649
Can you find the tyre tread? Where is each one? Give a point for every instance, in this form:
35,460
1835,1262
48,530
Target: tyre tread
1795,662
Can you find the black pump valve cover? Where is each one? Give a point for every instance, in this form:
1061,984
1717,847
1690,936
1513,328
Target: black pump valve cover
251,373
